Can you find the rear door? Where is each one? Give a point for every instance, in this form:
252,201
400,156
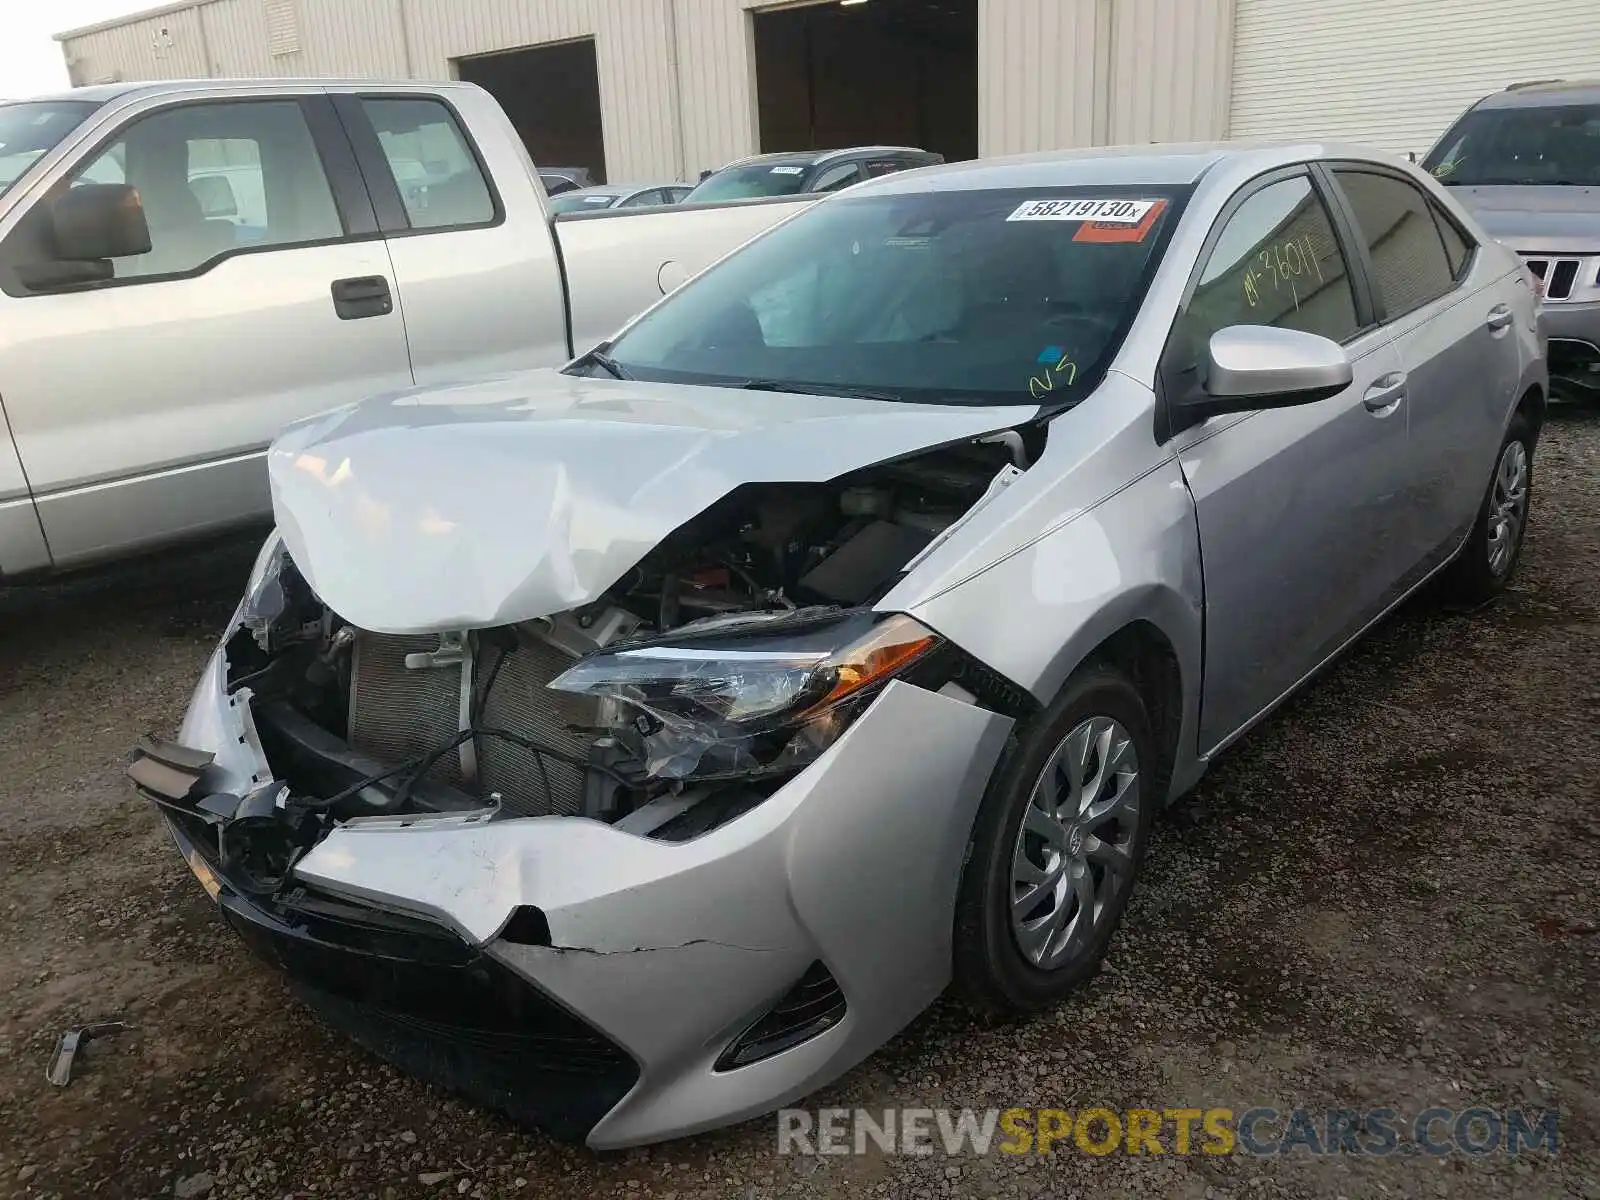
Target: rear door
1293,504
1453,332
474,260
141,407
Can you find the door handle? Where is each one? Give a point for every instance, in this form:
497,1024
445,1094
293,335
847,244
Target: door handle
1499,318
362,296
1385,394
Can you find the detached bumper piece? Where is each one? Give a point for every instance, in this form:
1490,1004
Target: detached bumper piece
165,770
417,995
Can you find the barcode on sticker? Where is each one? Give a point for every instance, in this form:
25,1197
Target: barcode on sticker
1106,212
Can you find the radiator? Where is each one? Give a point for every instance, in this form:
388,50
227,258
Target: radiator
398,712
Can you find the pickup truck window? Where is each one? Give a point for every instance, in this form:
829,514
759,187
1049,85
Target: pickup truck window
215,178
440,182
758,179
31,129
962,297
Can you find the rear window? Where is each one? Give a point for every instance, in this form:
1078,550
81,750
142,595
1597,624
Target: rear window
751,182
964,297
1544,146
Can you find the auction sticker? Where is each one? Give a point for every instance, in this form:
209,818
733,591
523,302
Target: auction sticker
1103,212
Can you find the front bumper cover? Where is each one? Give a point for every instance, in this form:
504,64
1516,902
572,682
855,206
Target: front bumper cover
1573,334
662,953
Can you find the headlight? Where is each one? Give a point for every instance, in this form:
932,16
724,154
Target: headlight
264,596
745,695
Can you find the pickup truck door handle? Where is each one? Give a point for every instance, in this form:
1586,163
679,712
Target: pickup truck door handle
1499,318
362,296
1384,395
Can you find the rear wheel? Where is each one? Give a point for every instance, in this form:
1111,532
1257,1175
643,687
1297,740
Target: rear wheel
1056,847
1485,564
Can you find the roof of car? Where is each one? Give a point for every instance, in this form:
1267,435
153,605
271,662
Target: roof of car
99,93
1540,93
811,158
619,189
1152,165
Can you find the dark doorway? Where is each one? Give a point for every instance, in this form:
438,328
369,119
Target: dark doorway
552,95
897,72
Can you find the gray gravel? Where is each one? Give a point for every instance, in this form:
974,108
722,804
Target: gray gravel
1390,894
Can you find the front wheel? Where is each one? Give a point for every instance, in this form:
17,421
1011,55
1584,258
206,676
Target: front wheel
1056,846
1485,564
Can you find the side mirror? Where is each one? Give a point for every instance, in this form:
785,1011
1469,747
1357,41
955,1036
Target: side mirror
99,220
1249,367
86,227
215,194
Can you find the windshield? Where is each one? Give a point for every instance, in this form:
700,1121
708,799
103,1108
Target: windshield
963,297
750,182
1549,146
30,129
582,202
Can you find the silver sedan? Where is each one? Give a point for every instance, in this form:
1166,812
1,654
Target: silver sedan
635,747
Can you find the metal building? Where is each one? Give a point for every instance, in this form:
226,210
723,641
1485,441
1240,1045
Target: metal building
648,89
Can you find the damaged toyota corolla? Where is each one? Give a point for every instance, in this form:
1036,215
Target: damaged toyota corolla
635,747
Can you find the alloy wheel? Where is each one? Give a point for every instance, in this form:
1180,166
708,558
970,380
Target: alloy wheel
1508,506
1074,850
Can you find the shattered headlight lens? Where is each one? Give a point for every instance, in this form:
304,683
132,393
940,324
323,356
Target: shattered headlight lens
747,696
264,597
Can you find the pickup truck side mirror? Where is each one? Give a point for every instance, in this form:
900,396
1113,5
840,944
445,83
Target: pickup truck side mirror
88,226
1249,367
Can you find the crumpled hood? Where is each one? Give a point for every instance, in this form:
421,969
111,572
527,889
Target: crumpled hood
1537,219
503,500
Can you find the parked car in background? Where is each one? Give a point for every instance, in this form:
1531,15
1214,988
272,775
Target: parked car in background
557,180
806,171
604,196
1527,162
635,747
187,267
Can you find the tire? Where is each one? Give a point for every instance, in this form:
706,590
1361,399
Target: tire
991,966
1480,573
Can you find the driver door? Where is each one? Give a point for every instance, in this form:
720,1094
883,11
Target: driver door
1296,506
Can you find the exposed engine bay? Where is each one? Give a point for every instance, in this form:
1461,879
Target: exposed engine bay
682,697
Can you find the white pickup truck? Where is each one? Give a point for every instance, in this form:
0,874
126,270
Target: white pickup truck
187,267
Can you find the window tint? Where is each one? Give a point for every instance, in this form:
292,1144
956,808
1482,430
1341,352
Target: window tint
1276,262
219,177
1409,265
438,176
1456,247
643,199
834,178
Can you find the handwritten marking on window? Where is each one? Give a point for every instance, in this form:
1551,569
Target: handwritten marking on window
1279,265
1063,373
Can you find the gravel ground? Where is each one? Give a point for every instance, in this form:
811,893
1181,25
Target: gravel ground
1389,895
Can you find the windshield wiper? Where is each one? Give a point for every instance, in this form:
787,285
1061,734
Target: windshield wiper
599,358
816,389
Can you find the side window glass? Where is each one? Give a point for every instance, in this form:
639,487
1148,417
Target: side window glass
1456,247
219,177
1409,263
834,178
1276,262
885,166
440,182
642,199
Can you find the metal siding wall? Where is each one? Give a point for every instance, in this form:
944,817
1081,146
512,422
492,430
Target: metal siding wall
1396,75
129,52
1036,74
1169,70
716,67
337,37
